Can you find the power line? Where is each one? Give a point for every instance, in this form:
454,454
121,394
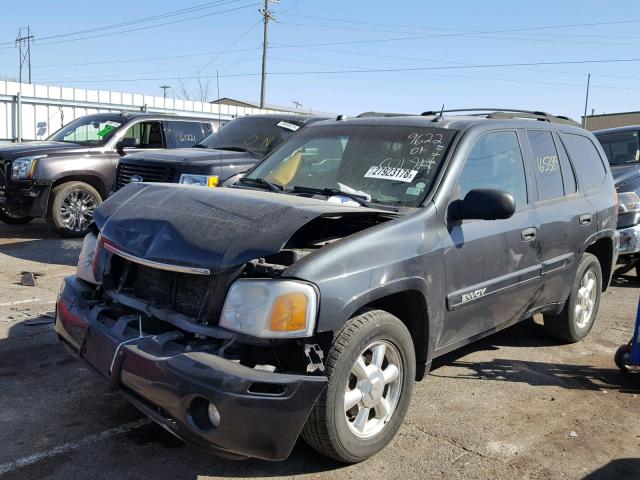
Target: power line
544,27
150,26
134,21
406,69
472,35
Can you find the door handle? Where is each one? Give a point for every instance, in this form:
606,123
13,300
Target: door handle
529,234
585,219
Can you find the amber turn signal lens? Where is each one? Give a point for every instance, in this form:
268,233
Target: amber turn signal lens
213,181
289,313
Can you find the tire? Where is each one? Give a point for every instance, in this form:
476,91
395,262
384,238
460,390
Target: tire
570,325
71,208
623,358
11,219
334,431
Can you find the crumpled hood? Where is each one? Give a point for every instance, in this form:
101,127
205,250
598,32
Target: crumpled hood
208,228
191,156
624,173
14,150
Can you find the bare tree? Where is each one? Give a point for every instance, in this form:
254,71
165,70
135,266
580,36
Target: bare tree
199,94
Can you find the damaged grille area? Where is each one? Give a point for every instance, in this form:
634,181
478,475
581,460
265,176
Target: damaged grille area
198,297
181,292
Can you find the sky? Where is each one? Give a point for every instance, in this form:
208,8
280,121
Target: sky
341,56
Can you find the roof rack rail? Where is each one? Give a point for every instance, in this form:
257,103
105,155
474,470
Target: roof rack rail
502,113
383,114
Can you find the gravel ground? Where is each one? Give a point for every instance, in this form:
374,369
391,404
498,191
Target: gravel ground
515,405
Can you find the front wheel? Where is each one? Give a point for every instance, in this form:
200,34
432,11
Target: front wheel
579,314
623,358
371,370
11,219
71,208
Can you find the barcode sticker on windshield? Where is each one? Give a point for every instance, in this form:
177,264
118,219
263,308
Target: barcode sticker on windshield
388,173
288,125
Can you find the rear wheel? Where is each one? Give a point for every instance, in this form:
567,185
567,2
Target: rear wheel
578,316
71,208
11,219
371,370
623,357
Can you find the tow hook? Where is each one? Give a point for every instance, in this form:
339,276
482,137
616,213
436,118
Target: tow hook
315,355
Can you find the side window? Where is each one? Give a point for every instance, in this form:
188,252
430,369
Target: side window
546,165
568,175
586,160
495,162
147,134
187,134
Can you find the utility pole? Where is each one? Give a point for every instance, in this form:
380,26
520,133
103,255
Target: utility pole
586,102
23,42
266,14
164,90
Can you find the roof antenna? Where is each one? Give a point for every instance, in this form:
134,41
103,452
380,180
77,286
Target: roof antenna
439,117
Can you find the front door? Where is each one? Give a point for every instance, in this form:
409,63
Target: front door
492,267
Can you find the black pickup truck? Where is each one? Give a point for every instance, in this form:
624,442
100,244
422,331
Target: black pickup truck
218,160
67,176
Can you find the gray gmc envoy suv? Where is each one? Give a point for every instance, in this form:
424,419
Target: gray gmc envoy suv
307,299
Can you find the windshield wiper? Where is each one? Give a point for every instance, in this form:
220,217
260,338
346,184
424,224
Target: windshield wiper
199,145
330,192
274,187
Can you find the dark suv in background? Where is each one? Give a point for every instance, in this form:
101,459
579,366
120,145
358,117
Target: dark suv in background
67,176
308,298
622,147
219,159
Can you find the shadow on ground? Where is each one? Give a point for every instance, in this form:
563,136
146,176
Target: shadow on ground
620,469
37,243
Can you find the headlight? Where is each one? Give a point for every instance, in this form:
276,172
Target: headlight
200,180
270,308
22,168
628,202
87,257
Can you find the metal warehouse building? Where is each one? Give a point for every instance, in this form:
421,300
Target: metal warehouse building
611,120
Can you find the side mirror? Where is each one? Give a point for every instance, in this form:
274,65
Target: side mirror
483,204
126,143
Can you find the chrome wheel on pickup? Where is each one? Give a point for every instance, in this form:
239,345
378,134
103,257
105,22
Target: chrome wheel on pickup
71,208
371,370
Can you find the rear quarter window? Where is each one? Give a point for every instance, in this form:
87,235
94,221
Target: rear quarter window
586,160
187,134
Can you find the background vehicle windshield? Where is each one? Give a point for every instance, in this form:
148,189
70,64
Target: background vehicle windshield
86,131
257,135
621,147
393,165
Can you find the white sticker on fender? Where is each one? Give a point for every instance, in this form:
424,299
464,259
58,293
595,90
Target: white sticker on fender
388,173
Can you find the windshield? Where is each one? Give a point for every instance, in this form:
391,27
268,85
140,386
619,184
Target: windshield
256,135
393,165
621,148
86,131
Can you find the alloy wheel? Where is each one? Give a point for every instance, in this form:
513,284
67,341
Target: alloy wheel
373,389
586,299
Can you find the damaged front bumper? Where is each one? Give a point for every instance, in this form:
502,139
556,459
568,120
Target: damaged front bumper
260,413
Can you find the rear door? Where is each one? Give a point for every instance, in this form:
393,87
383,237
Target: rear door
492,267
565,216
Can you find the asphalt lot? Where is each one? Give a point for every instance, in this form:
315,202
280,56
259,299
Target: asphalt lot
516,405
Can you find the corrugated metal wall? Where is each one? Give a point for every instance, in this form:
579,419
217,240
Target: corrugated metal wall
33,112
599,122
